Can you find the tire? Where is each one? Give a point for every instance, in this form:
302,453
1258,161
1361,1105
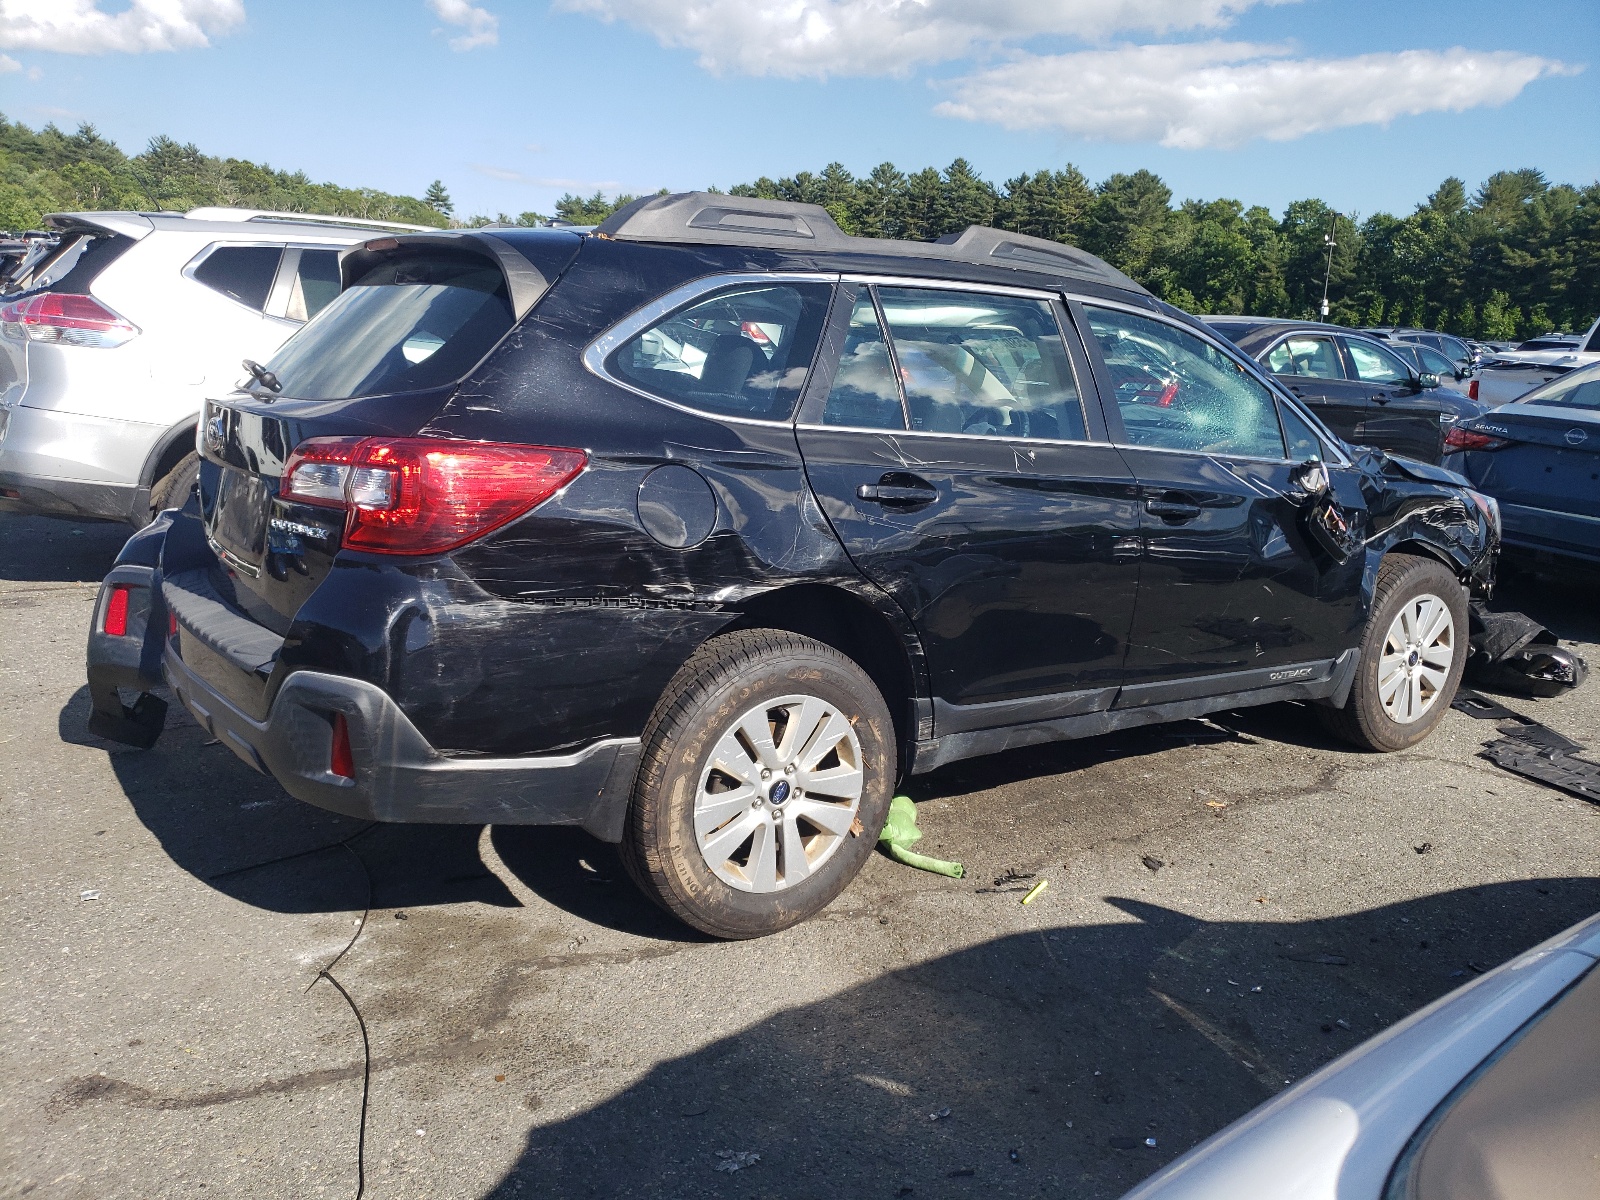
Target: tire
1424,607
172,489
819,710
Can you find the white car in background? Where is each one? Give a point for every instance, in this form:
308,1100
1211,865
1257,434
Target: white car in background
110,342
1504,377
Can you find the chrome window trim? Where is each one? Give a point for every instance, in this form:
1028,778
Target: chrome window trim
640,319
949,285
1275,389
978,438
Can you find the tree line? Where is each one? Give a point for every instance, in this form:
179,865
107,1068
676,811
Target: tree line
1516,257
50,171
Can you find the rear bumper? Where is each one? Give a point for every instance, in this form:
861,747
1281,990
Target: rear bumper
69,465
399,776
1571,534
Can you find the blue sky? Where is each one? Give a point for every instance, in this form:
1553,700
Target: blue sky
512,102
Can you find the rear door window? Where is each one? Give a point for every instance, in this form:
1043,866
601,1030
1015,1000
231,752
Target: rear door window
1313,357
314,284
72,265
409,324
982,364
242,273
744,352
864,392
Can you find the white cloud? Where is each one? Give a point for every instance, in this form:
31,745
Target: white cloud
1221,94
797,38
8,64
81,27
482,26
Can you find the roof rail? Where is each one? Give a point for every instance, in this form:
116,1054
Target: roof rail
219,213
711,218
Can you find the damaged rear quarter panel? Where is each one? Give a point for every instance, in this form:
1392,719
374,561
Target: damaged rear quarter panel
566,626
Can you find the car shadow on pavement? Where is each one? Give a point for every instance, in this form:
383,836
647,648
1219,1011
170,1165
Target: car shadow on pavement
48,549
1035,1064
225,824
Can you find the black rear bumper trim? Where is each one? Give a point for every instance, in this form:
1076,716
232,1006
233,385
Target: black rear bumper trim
399,776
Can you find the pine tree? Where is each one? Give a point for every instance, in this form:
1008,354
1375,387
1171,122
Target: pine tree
438,199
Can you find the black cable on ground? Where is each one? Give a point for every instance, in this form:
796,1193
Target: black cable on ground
283,858
325,972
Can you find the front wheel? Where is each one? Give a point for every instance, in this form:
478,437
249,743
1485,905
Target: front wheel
1412,656
766,778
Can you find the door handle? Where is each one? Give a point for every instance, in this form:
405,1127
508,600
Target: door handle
1173,508
1380,397
897,494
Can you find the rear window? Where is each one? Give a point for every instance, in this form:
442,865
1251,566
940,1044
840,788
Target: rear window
73,264
407,325
242,273
1581,389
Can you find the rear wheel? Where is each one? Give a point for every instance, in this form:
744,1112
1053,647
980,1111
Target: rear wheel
172,489
1412,656
766,777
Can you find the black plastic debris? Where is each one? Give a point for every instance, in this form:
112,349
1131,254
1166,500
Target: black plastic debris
1151,861
1425,848
1513,653
1563,771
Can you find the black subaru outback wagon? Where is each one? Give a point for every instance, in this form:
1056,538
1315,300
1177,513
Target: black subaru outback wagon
702,529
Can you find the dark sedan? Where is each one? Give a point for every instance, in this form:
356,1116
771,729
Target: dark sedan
1539,456
1362,389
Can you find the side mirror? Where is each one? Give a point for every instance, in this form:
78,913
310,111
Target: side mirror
1427,380
1308,481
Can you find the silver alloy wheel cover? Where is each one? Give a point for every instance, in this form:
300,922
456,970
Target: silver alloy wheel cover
1418,652
758,836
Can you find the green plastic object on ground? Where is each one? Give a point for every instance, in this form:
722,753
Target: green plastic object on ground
900,833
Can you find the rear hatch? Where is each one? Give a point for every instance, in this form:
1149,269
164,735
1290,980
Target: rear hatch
39,305
1552,459
417,313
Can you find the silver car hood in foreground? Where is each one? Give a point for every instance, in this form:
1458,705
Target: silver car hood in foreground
1337,1133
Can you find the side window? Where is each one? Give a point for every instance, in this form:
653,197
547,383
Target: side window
1303,440
315,284
982,364
242,273
864,391
1315,357
1178,392
1433,361
1374,364
741,353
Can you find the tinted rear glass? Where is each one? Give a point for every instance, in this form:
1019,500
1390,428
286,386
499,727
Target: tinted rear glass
405,326
1581,389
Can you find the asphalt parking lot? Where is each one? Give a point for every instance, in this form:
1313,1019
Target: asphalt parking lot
1231,903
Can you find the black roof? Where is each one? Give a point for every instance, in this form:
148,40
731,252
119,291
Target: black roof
714,219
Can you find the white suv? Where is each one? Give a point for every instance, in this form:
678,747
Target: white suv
110,342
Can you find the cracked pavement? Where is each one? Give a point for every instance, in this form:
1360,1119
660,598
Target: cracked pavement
538,1029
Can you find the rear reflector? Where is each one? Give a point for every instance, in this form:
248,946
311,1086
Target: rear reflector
424,495
340,761
66,320
116,622
1470,439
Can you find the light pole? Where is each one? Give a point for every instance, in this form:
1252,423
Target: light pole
1327,240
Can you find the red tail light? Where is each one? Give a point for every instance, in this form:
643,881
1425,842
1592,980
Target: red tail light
1472,390
424,495
66,320
340,761
116,622
1470,439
